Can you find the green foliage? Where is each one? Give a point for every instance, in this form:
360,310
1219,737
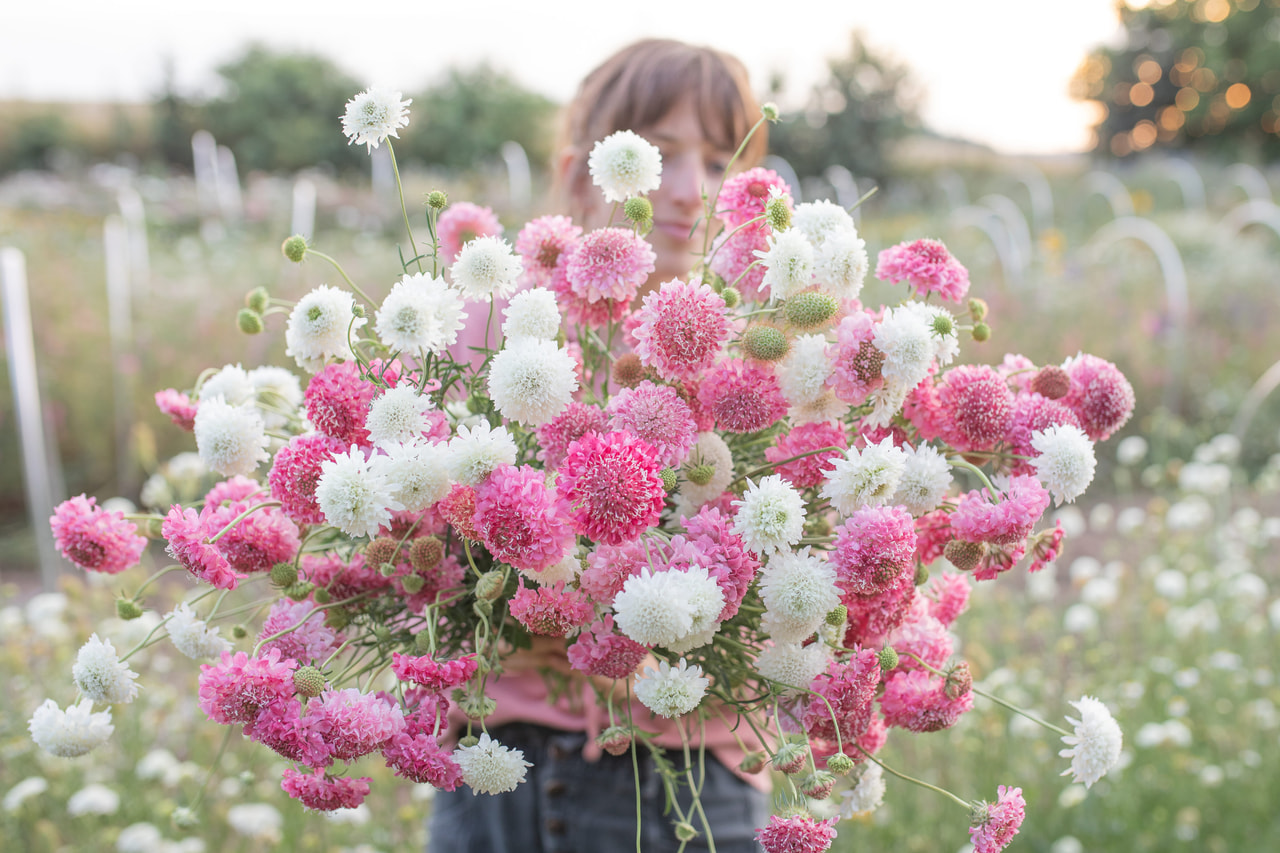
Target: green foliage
1198,76
464,120
852,118
29,142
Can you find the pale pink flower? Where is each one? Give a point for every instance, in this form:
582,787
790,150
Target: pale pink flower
310,641
874,548
995,824
744,196
540,244
284,728
609,263
550,611
657,414
979,518
744,396
600,650
976,406
920,702
180,408
462,222
1099,394
856,362
927,266
188,536
519,519
358,723
809,471
95,539
682,329
237,688
323,792
419,758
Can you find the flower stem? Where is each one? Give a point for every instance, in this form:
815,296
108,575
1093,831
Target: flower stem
322,256
923,784
395,170
241,517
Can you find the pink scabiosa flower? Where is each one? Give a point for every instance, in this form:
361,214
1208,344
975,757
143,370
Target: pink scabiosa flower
609,485
744,396
419,758
808,471
922,635
1034,413
338,399
551,611
295,471
342,578
600,650
234,490
725,555
95,539
873,617
462,222
927,266
577,308
856,362
1099,394
436,676
284,728
609,566
682,329
948,596
1045,547
540,244
307,639
849,691
358,723
180,408
555,436
978,518
609,263
921,702
995,824
977,406
796,834
656,414
737,262
256,542
997,559
237,688
323,792
459,509
188,536
743,197
519,519
874,548
933,532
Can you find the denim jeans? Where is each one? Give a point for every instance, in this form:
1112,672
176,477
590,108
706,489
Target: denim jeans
568,804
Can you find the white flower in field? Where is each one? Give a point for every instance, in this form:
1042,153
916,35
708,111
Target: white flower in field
1065,462
373,115
231,383
32,786
822,220
100,674
420,314
925,479
798,591
230,439
141,837
1095,746
1131,450
486,267
488,767
159,764
788,263
70,733
93,799
532,313
671,691
792,664
421,472
319,325
532,380
840,264
869,477
803,373
398,415
474,452
258,821
709,449
359,816
625,164
651,609
1205,478
867,795
770,516
355,495
193,637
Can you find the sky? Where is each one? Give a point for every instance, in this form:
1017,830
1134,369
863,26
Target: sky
994,71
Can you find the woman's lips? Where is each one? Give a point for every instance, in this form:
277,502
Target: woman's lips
676,230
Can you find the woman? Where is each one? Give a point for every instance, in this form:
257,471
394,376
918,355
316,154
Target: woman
695,104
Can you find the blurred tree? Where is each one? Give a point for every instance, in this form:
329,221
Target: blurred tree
31,141
1202,76
852,118
282,111
173,121
463,120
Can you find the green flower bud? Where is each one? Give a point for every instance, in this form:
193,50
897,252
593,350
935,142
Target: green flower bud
965,556
284,574
777,214
127,609
482,607
154,528
322,596
700,475
300,590
308,681
422,642
257,299
685,831
769,110
249,321
490,585
437,200
810,309
888,659
978,309
387,569
358,310
184,818
838,616
477,707
295,248
818,784
981,332
732,298
753,762
942,325
469,740
639,210
239,632
413,583
764,342
921,575
337,619
790,757
668,476
382,633
840,764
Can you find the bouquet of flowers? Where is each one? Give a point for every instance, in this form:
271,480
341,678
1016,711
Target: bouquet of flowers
731,498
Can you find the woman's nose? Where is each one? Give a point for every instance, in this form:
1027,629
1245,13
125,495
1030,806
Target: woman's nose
683,180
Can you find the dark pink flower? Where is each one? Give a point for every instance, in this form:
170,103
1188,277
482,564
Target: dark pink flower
550,611
744,396
609,263
95,539
431,674
796,834
849,691
295,472
256,542
284,728
976,407
1099,394
682,329
599,650
323,792
237,688
519,519
337,400
874,548
995,824
179,407
555,436
609,485
188,536
811,470
918,701
419,758
358,723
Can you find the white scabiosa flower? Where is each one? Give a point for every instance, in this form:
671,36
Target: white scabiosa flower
868,477
93,799
867,795
258,821
565,571
356,496
798,591
319,325
709,450
532,380
827,407
420,314
770,516
486,267
792,665
840,264
788,263
705,599
276,387
671,691
651,609
231,383
803,373
926,477
1095,746
398,415
373,115
625,164
907,337
141,837
193,637
100,674
420,471
1065,462
822,220
230,439
532,313
475,451
488,767
70,733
